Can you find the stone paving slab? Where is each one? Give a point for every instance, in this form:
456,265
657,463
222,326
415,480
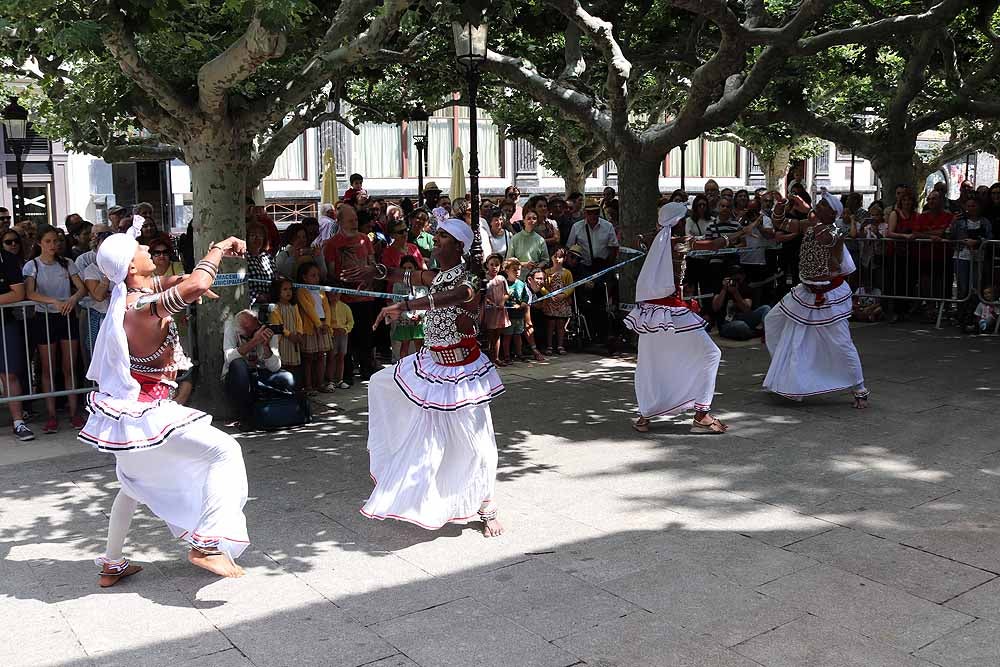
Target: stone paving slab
646,639
465,632
916,572
973,645
815,642
863,605
811,535
692,598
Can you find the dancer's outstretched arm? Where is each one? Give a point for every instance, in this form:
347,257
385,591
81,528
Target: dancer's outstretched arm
177,298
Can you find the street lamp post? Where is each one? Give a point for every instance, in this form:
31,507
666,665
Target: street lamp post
684,148
470,49
418,127
15,125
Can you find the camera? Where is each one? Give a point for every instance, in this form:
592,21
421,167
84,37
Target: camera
276,329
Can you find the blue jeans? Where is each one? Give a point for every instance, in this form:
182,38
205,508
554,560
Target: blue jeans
244,385
744,325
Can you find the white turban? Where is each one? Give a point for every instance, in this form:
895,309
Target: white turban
834,203
656,280
460,229
109,366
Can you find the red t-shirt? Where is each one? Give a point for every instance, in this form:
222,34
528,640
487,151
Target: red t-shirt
926,223
342,251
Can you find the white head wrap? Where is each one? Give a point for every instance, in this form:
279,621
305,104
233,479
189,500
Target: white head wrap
833,201
109,366
656,280
460,229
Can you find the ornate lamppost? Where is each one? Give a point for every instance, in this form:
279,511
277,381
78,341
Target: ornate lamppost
418,130
470,49
15,126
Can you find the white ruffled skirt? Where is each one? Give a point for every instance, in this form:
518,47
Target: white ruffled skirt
811,348
678,360
433,454
171,459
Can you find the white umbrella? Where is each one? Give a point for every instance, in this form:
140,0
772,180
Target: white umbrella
457,190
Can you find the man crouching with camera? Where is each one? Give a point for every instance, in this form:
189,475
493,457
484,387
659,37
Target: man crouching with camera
251,357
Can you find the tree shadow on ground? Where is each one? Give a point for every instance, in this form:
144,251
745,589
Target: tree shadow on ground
786,471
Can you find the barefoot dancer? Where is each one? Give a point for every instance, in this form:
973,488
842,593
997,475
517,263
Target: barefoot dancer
430,431
677,359
808,334
168,457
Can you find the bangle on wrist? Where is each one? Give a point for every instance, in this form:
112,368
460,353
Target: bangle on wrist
381,272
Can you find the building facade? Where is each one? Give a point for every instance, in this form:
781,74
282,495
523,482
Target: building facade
58,182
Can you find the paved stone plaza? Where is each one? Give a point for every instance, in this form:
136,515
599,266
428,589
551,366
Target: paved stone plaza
810,535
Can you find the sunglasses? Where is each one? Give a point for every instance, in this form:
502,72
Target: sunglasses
5,218
11,242
160,253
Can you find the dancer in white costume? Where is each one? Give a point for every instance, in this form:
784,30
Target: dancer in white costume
430,431
677,359
168,457
808,334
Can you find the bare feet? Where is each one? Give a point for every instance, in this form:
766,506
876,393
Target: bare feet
641,425
220,564
108,578
710,423
492,528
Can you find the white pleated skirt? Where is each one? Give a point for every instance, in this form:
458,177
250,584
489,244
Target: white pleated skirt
811,348
196,482
677,363
432,449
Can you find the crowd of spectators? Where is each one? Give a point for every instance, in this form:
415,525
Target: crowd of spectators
911,259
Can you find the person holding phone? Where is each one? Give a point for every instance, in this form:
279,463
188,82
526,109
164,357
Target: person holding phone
251,355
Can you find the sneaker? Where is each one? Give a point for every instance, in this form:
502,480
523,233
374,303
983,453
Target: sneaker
51,425
23,433
78,422
343,385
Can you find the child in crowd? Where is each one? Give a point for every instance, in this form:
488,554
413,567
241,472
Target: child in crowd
867,302
558,308
54,284
535,281
285,312
517,309
316,339
410,326
986,313
495,318
341,325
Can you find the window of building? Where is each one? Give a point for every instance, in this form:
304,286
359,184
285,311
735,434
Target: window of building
692,160
720,159
488,141
378,151
291,164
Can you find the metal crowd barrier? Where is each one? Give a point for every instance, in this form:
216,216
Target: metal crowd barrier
21,315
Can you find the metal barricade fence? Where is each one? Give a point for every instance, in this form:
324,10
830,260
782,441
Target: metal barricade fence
24,331
989,287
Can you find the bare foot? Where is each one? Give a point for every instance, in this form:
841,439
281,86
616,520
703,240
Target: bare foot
860,403
220,564
108,579
492,528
